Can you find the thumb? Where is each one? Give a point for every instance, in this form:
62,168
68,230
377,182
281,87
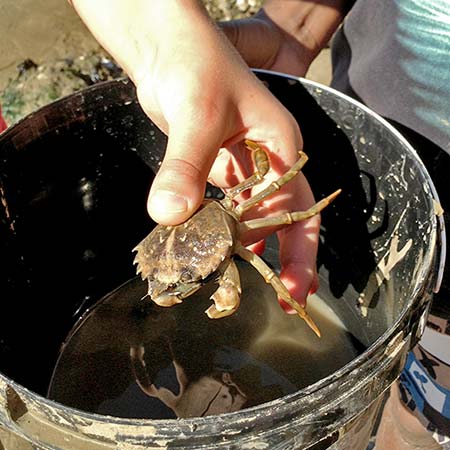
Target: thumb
179,186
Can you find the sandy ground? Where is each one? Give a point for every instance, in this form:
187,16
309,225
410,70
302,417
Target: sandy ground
48,32
41,30
44,33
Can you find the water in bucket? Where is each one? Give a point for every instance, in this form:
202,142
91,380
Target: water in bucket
127,357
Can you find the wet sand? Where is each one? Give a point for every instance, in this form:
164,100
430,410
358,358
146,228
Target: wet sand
40,30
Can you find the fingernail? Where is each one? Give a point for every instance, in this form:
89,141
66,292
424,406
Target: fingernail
167,202
312,291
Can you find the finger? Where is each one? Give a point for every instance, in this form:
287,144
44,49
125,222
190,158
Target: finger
226,170
298,242
258,247
179,186
232,165
298,253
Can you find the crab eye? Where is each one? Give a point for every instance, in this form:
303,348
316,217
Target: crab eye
185,276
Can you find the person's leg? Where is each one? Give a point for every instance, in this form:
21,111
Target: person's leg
400,429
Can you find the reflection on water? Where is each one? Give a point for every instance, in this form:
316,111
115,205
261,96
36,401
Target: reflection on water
130,358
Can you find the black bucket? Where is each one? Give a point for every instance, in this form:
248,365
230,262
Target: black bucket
74,180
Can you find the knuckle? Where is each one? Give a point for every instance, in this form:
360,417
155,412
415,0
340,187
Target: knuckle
180,170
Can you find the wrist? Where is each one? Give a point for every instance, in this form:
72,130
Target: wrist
169,41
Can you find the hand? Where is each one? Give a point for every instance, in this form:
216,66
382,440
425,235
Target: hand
197,89
286,36
277,49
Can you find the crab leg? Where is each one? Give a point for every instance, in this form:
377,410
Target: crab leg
261,162
274,186
270,277
289,217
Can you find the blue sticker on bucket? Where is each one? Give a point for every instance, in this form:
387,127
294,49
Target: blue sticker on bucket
423,389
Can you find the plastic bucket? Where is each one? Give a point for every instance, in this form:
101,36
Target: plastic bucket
73,184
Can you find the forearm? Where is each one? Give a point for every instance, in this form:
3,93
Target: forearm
310,22
135,32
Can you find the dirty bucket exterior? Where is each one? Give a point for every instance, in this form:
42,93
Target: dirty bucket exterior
378,264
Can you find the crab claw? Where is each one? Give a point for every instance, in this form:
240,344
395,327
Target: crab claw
226,302
167,300
167,295
227,297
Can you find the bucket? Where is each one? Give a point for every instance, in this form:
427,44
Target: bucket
74,180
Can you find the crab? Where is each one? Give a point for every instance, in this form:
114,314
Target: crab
177,260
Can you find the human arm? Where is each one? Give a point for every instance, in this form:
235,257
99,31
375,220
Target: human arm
194,85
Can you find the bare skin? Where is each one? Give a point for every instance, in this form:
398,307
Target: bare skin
401,430
290,33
